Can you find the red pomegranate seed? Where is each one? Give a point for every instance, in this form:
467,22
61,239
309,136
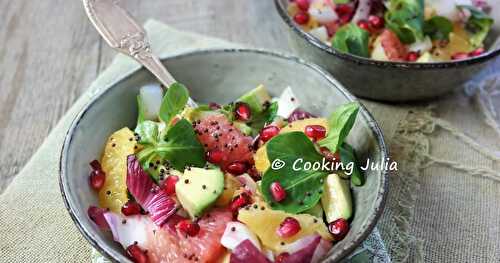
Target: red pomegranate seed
131,208
476,52
376,21
288,228
301,18
315,132
136,254
215,156
302,4
277,191
169,184
97,179
243,111
344,9
189,228
332,157
412,56
363,24
281,257
339,229
269,132
95,165
239,201
459,56
214,106
237,168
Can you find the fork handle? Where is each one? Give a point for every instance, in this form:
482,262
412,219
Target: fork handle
120,30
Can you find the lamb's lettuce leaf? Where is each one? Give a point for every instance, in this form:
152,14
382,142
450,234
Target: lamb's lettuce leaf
340,124
352,39
173,102
438,28
406,19
478,25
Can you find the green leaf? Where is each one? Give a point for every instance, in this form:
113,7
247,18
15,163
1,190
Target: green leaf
303,187
478,25
148,132
181,147
341,1
173,102
340,124
438,28
140,110
352,39
406,19
265,117
348,157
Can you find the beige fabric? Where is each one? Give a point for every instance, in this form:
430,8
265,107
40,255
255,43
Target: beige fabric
443,215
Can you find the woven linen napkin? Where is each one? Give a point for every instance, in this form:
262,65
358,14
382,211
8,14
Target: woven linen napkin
35,226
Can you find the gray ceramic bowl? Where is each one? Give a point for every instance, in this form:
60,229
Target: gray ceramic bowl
390,81
217,75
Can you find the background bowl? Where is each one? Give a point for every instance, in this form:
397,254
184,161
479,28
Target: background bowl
390,81
220,76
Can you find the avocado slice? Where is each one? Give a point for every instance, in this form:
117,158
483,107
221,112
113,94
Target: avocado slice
243,127
336,198
256,99
199,188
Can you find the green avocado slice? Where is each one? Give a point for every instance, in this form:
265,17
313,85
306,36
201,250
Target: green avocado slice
198,189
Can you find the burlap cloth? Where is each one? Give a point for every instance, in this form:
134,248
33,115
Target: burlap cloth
443,202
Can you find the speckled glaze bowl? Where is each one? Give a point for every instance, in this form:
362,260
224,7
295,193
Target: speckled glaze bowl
220,76
390,81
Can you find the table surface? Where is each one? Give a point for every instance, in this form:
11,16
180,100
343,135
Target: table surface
50,53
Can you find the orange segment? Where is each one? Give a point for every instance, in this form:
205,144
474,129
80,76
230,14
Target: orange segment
114,163
264,222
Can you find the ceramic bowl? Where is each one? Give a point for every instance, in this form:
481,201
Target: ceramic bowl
220,76
390,81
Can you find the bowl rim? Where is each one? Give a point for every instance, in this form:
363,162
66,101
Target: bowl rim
379,63
112,254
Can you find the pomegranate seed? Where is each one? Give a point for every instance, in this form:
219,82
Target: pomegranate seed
189,228
278,192
363,24
288,228
476,52
239,201
281,257
131,208
315,132
136,254
95,165
269,132
214,106
376,21
302,4
215,156
412,56
169,184
97,179
301,18
344,9
344,19
243,111
237,168
339,228
459,56
332,157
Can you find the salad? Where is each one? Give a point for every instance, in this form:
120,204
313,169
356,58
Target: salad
398,30
195,184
